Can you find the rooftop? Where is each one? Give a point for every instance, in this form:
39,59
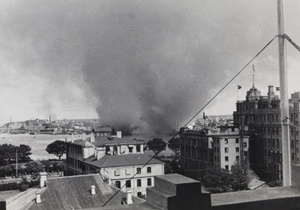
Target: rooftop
254,195
106,141
122,160
73,192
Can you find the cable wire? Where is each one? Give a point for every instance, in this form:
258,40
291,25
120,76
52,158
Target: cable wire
155,154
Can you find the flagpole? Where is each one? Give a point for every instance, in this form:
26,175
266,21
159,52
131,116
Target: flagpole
284,103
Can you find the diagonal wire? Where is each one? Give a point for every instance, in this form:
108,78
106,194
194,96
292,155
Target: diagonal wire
291,41
197,114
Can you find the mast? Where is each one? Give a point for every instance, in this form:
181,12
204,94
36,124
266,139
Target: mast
284,102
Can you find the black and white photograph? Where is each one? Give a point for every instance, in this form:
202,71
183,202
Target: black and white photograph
149,104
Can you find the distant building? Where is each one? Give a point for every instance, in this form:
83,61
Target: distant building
262,115
116,159
204,150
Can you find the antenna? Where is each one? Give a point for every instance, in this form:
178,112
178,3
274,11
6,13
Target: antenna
253,74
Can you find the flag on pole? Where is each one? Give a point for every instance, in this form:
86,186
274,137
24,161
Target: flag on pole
239,87
277,88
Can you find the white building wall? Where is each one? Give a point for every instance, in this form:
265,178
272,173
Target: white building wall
125,173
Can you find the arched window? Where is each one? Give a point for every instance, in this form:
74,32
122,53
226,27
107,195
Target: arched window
139,183
138,170
149,182
118,184
128,184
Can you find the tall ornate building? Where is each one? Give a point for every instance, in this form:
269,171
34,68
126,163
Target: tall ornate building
262,115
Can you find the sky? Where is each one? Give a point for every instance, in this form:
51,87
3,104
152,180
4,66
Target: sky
146,64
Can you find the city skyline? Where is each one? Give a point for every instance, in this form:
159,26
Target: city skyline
76,59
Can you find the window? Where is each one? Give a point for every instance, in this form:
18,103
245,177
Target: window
226,167
117,172
245,144
128,184
127,171
226,149
148,169
138,170
149,182
118,184
237,158
237,141
139,194
130,149
226,158
139,183
138,148
237,149
225,141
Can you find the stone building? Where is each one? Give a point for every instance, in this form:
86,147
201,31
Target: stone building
117,160
262,115
205,150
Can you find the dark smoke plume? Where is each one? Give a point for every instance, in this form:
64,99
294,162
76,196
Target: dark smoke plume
145,65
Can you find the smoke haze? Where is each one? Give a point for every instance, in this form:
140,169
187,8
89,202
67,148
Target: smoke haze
150,64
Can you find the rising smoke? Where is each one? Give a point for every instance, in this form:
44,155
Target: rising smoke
147,65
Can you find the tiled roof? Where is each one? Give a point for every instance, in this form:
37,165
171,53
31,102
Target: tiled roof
74,193
122,160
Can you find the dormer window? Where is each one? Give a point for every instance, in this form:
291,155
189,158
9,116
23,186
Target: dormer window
138,148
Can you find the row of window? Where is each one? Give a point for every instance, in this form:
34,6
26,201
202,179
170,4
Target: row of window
128,171
138,183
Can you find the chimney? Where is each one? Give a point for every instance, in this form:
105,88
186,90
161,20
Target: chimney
38,198
93,190
270,94
43,179
129,197
119,134
92,137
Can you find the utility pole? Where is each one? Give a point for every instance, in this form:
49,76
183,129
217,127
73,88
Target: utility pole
16,163
284,101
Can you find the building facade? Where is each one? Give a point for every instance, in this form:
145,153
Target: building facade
117,160
263,116
205,150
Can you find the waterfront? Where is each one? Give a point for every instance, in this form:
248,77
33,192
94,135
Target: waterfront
39,142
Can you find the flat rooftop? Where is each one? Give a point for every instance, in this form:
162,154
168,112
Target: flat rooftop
254,195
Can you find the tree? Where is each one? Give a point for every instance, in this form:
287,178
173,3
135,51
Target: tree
156,145
57,148
240,176
174,145
23,153
218,181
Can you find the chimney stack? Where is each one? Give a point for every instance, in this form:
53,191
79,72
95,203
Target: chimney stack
129,197
119,134
92,137
270,94
38,198
43,179
93,190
